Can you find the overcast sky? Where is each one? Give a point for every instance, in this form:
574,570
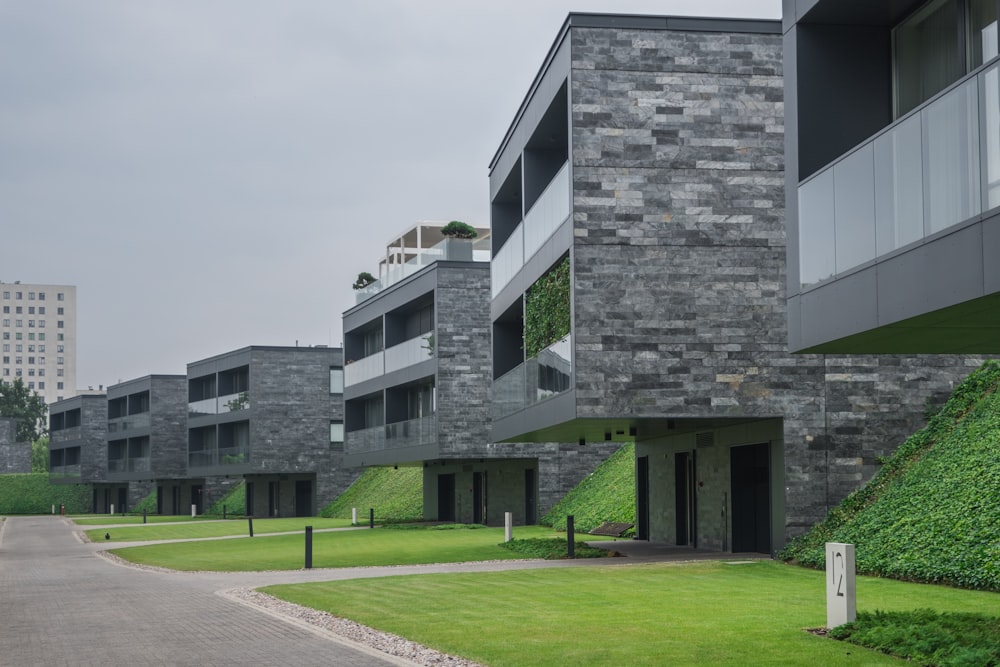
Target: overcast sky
213,174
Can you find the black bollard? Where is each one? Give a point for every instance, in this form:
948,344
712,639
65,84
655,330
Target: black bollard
371,517
309,547
570,537
144,516
250,521
223,512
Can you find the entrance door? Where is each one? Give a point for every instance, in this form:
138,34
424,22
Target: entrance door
446,497
93,504
196,495
479,497
642,498
107,502
122,505
273,495
686,500
159,499
249,498
175,499
303,497
750,477
530,498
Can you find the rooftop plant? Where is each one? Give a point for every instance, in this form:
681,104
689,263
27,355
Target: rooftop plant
459,230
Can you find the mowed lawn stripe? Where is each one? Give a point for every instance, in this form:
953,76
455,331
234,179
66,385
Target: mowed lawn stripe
199,529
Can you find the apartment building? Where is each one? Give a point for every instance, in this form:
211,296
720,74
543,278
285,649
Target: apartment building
417,387
38,331
147,439
638,287
272,417
893,164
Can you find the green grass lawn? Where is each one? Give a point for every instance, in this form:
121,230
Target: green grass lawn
341,549
663,614
195,529
118,519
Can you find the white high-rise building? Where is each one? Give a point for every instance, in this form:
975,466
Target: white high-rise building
38,331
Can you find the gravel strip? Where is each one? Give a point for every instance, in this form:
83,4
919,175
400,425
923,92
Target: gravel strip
362,634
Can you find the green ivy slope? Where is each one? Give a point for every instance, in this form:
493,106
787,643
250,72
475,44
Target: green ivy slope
31,493
608,494
395,495
932,512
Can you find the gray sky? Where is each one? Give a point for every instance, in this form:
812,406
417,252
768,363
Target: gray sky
214,174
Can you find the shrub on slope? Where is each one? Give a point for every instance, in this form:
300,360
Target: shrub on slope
932,511
607,494
395,495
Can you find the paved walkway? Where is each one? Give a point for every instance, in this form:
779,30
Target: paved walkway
61,604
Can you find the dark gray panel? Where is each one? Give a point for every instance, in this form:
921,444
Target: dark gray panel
944,272
537,417
991,251
839,308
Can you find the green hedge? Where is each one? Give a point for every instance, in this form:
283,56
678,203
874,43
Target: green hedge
235,501
608,494
31,493
395,495
931,513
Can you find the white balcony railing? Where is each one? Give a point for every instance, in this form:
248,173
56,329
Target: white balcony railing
367,368
935,168
408,353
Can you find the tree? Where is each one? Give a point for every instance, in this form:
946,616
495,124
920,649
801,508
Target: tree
26,406
364,280
459,230
40,455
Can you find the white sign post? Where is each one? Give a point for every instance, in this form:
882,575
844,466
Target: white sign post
508,526
841,598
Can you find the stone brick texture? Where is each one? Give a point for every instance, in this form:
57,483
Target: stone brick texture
679,262
168,401
15,457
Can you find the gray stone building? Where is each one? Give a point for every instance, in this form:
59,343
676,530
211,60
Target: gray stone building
147,439
648,154
417,388
273,417
15,457
78,430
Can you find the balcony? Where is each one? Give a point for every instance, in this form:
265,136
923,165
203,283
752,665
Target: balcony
129,422
541,222
221,456
367,368
218,405
409,353
933,169
65,472
140,464
544,376
412,432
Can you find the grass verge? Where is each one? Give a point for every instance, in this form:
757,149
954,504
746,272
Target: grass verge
662,614
188,530
357,548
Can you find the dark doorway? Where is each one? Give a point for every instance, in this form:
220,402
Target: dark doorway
479,498
750,477
93,504
273,495
122,505
196,494
175,500
686,501
530,498
446,497
642,498
249,497
107,502
303,497
159,499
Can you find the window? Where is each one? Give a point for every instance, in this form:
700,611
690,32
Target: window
6,359
41,348
41,296
59,296
31,296
31,360
336,432
60,360
31,372
59,336
18,310
59,310
18,348
17,336
41,323
6,347
31,324
6,295
6,322
18,323
59,373
31,310
41,385
18,360
59,385
6,310
6,372
41,372
939,44
59,348
18,295
41,310
31,348
6,335
31,385
17,372
41,336
59,324
31,336
336,380
41,360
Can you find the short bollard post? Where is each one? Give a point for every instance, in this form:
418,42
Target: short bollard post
250,522
508,526
354,516
570,537
144,516
841,589
309,547
223,512
53,509
62,509
194,510
112,510
371,517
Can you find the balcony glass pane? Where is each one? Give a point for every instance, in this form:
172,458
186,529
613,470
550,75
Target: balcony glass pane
509,392
234,402
548,212
990,98
508,261
206,406
951,150
408,353
130,422
370,367
854,208
816,229
365,440
899,186
412,432
544,376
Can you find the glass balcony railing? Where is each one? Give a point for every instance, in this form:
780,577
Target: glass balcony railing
933,169
65,471
66,434
367,368
231,455
540,223
206,406
234,402
446,250
365,440
141,420
408,353
549,374
140,464
412,432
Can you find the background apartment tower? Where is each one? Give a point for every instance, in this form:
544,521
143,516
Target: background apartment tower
38,331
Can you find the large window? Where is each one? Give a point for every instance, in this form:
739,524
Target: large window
939,44
336,380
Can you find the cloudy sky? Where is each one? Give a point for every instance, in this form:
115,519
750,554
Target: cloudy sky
215,173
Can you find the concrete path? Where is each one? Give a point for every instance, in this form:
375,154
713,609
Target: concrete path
63,604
